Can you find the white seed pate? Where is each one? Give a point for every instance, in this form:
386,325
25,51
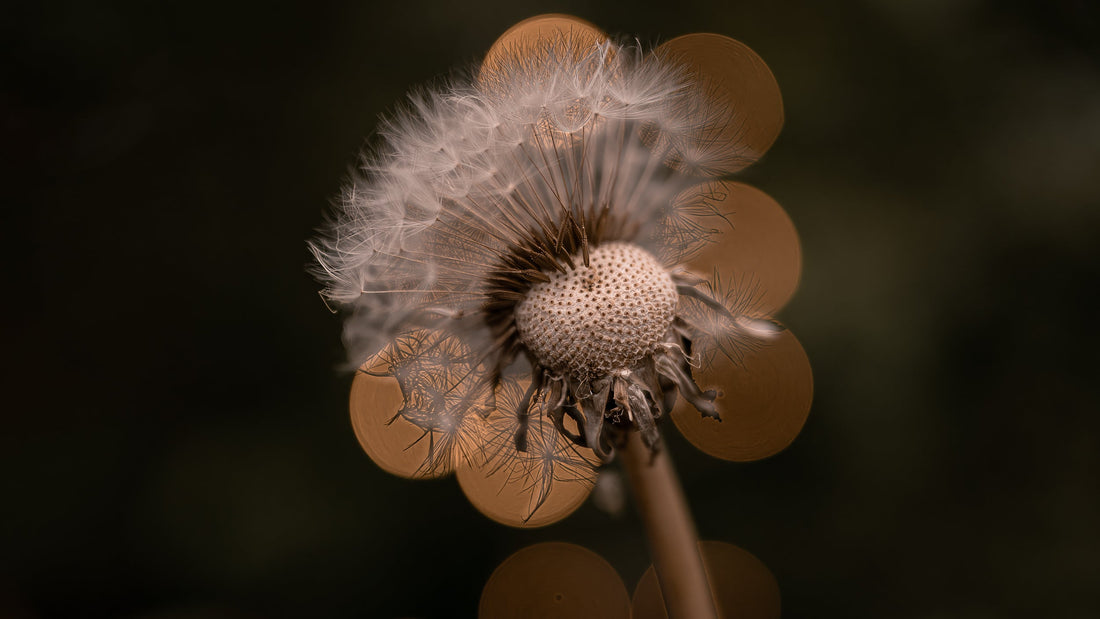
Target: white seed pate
593,320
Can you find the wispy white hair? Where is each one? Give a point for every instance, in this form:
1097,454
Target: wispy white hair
467,171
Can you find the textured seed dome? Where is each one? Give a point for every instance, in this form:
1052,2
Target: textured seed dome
592,320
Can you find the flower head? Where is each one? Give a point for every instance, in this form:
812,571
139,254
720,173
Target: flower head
532,260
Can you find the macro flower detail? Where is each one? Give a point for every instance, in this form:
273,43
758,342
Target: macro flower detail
542,258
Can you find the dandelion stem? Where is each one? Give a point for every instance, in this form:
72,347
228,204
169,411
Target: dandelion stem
673,541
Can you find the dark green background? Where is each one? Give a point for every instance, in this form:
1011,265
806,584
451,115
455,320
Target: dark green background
176,442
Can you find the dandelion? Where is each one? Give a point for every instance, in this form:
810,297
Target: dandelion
539,262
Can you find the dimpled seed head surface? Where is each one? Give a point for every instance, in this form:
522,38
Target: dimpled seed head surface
590,321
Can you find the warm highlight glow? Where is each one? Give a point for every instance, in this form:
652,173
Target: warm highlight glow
742,586
740,100
764,399
554,581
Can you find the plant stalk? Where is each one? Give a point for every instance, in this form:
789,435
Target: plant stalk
673,542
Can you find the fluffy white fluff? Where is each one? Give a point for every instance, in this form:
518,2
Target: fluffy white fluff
465,171
498,179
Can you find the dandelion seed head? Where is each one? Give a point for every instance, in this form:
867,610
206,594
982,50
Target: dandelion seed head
592,320
514,247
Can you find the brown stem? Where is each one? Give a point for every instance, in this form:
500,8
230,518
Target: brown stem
673,541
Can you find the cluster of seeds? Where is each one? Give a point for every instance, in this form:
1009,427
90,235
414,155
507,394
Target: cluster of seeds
591,321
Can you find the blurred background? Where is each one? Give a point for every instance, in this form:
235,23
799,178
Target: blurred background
175,437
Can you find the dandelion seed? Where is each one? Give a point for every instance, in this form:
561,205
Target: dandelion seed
531,255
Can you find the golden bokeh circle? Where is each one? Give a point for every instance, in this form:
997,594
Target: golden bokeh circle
755,242
554,580
527,41
742,586
392,442
739,99
509,500
763,401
